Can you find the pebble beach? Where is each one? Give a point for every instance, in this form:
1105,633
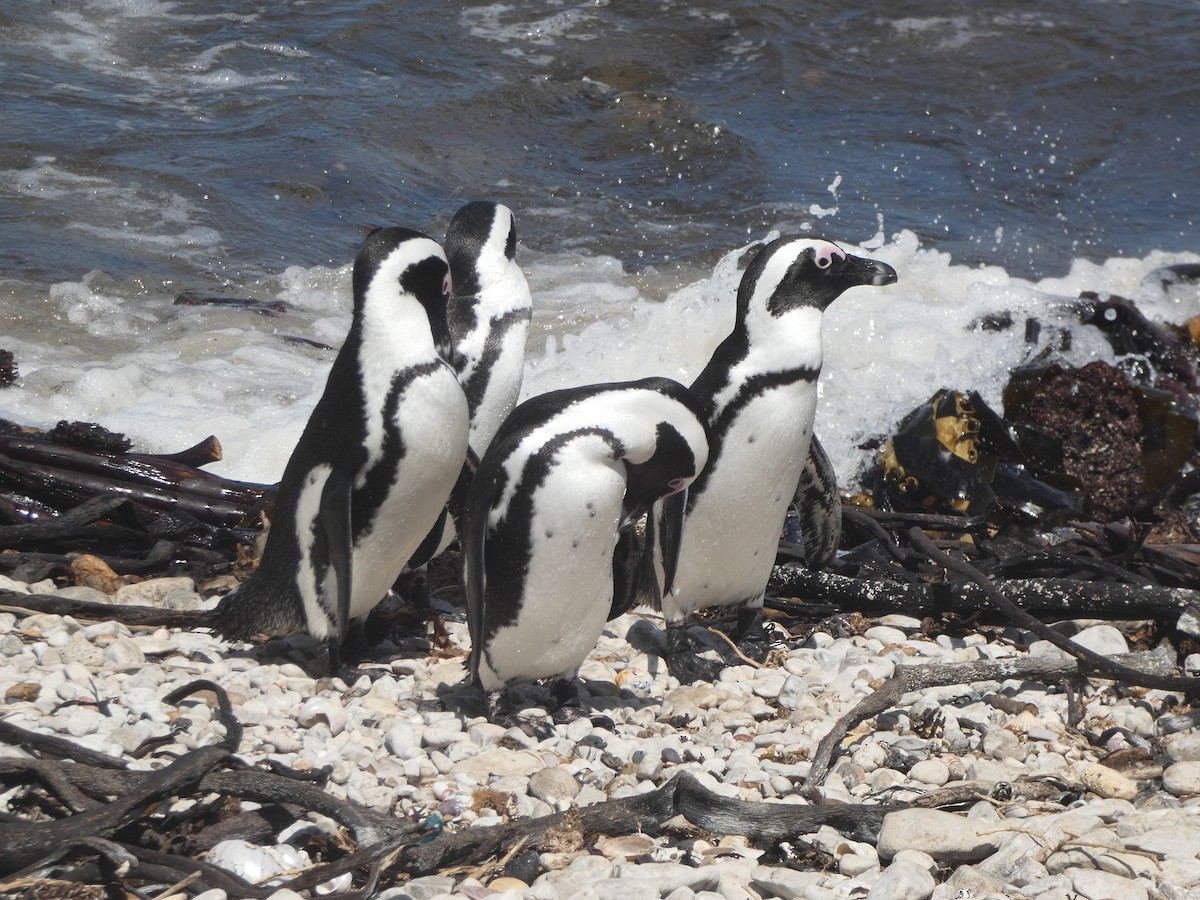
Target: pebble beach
1126,827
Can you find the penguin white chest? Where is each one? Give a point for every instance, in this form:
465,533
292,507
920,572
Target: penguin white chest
732,532
568,586
406,480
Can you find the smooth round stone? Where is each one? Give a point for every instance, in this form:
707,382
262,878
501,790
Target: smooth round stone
1103,639
903,880
325,710
1095,884
944,836
1108,783
124,651
552,784
885,635
161,592
1184,747
851,864
1000,743
930,771
1182,778
768,683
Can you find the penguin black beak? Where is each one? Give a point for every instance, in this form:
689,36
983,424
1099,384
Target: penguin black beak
671,536
859,271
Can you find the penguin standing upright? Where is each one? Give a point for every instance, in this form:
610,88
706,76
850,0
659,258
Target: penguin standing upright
488,320
567,471
489,314
759,396
375,464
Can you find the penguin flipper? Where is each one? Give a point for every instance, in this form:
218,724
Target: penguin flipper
335,521
428,548
818,507
473,538
628,558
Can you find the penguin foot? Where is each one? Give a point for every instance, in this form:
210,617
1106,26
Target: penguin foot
682,661
689,668
753,637
567,704
506,717
351,674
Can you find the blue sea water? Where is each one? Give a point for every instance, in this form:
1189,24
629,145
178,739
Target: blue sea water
999,154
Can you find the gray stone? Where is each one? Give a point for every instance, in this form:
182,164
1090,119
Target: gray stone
552,784
1183,747
903,880
1094,884
1182,778
1000,743
930,771
787,884
625,889
1181,842
1103,639
424,888
885,635
944,836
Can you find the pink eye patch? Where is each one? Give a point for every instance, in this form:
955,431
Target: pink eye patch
824,255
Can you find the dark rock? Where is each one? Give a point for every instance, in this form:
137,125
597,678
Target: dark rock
1092,413
8,368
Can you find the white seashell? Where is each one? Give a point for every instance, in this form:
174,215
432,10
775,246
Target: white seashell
323,709
257,864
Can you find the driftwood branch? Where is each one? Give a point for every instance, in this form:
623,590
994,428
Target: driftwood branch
683,795
920,677
1041,595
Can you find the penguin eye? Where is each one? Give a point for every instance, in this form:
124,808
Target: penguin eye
447,285
824,256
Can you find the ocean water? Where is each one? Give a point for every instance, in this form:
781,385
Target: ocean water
1002,157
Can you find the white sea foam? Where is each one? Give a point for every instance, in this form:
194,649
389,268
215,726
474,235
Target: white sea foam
123,356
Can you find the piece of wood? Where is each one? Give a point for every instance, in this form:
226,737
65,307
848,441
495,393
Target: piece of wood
1063,596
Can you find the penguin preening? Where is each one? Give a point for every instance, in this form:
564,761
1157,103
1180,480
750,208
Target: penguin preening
759,394
566,473
488,319
374,466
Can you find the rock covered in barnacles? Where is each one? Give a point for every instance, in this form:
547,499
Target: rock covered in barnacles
933,459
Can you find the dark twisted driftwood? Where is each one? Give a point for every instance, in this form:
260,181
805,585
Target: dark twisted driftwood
683,795
151,616
1043,595
25,843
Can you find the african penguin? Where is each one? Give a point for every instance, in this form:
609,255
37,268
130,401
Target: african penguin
759,395
489,314
488,319
566,473
376,462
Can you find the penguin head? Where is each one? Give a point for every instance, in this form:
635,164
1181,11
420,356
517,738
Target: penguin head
481,242
796,272
397,262
680,447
